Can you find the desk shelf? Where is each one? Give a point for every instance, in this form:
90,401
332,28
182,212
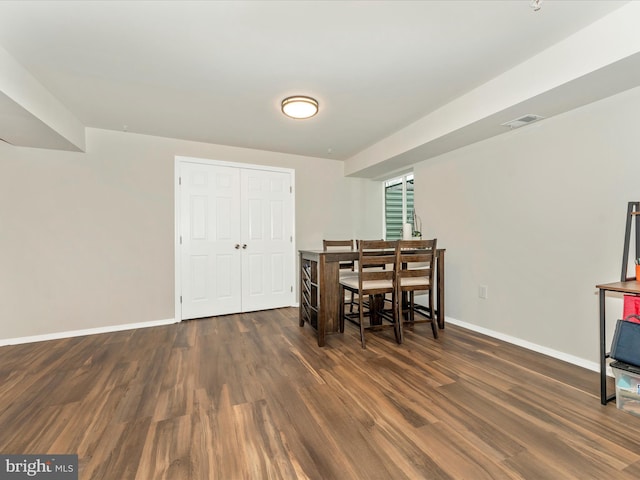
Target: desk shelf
309,293
629,287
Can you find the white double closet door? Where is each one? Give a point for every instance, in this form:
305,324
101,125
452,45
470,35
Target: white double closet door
236,239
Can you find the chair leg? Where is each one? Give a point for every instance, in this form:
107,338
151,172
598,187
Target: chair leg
434,324
361,320
342,312
412,305
397,320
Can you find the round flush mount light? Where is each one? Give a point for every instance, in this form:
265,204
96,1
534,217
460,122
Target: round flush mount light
299,106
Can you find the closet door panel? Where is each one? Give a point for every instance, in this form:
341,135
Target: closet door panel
266,267
210,231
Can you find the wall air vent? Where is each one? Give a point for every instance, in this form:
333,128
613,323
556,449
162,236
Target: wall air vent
524,120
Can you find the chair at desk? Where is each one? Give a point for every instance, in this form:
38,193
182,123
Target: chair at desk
415,260
346,268
388,299
328,245
375,279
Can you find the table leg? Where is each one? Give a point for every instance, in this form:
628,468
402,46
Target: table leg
376,305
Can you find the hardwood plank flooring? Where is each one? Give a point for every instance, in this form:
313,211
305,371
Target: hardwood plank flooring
252,396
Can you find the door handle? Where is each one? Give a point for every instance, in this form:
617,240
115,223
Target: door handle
244,246
237,246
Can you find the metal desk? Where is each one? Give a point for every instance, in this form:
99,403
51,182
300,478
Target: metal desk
631,287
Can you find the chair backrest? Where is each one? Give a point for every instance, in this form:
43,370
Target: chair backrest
377,260
340,245
416,258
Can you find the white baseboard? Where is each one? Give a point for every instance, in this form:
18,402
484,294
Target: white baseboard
88,331
581,362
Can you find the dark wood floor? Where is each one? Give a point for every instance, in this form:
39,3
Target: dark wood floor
253,397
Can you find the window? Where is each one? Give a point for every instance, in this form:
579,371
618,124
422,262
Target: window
398,205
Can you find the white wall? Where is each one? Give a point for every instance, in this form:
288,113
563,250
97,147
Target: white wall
87,238
537,215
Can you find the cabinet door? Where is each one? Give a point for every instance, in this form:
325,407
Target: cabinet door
210,231
267,229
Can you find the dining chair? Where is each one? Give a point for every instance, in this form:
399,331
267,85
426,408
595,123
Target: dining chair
385,298
375,279
340,245
346,268
415,260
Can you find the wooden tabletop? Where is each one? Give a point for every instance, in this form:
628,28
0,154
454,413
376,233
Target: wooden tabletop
630,286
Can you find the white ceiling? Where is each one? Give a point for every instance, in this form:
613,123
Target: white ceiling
216,71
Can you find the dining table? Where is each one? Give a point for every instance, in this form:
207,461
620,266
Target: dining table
320,301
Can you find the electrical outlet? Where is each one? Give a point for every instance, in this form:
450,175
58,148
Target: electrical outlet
483,292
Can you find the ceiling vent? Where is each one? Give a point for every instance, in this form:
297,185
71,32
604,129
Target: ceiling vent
524,120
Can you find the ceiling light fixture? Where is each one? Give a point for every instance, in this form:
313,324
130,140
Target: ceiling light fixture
299,106
536,5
